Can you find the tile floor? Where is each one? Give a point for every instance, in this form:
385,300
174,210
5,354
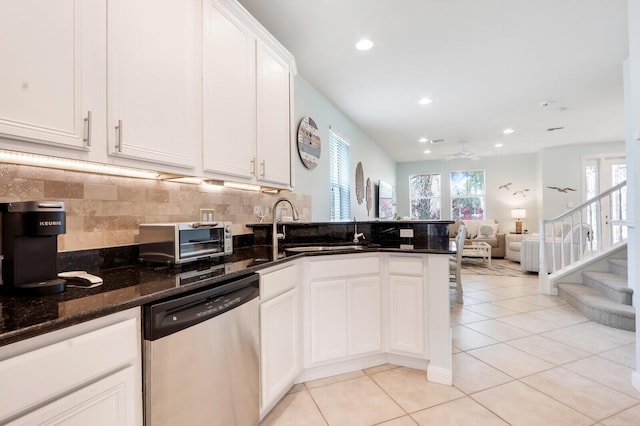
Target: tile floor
520,358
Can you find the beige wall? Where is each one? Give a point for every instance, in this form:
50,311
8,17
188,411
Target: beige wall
104,211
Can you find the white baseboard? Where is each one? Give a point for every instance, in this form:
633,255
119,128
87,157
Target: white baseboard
350,365
407,361
440,375
341,367
635,380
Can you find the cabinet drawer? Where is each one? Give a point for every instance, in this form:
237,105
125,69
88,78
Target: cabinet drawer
42,374
349,265
274,282
406,265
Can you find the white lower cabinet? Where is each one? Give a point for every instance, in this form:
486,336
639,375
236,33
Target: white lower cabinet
406,315
86,374
328,320
351,312
280,333
344,307
363,315
103,403
279,345
406,300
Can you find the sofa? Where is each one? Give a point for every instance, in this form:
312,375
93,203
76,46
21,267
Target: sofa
482,230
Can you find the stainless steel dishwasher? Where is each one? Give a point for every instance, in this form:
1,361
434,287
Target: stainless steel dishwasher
201,356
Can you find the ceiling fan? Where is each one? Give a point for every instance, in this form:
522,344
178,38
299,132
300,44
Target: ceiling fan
463,153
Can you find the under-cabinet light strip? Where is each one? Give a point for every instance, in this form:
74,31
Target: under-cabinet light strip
73,165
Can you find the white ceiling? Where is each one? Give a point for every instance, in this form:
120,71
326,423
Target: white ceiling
486,64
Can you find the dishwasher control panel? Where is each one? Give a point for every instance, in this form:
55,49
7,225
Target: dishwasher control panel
172,315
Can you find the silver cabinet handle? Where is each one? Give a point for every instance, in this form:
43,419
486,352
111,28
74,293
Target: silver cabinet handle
87,136
119,136
264,167
253,166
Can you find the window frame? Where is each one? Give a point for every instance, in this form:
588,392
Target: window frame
339,177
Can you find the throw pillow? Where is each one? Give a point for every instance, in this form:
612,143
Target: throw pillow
453,229
472,228
487,231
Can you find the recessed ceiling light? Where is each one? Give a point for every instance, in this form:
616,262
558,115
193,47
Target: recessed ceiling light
507,131
426,151
424,101
498,145
364,44
423,140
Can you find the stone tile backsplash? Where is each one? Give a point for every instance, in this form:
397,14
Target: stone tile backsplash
104,211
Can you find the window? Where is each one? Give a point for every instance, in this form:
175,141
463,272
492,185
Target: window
339,160
467,195
424,196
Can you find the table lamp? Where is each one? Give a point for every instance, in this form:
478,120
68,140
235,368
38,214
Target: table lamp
518,214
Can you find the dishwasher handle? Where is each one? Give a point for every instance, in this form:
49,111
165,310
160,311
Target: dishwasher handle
171,316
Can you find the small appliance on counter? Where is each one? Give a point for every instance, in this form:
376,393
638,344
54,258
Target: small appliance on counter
30,232
179,243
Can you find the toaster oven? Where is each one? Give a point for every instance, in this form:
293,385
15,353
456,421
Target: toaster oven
179,243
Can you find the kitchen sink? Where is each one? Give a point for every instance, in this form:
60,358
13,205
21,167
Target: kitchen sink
325,248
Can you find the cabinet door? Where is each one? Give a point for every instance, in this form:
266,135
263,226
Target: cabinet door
328,320
364,315
153,85
107,402
47,84
406,315
279,346
228,94
273,117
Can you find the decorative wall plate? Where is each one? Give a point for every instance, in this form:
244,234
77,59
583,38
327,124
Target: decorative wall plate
309,143
359,183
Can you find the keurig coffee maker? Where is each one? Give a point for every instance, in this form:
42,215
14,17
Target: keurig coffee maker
30,232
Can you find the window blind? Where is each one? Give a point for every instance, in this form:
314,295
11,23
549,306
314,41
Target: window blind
339,178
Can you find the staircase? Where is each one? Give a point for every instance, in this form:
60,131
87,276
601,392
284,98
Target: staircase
604,297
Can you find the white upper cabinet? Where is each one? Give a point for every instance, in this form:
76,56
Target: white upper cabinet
153,97
247,98
273,117
191,87
228,94
50,79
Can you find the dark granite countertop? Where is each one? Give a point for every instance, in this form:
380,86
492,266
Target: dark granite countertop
351,222
128,286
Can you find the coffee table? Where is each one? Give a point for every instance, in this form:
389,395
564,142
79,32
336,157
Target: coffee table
478,249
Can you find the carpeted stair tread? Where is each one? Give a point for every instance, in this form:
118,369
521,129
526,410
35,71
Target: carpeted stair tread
619,267
597,307
619,262
610,280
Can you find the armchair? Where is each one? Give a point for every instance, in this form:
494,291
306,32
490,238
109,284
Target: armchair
559,248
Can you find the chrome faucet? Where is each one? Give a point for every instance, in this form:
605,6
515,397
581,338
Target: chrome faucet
275,236
356,234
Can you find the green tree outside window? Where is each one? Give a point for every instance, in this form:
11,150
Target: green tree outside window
424,196
467,195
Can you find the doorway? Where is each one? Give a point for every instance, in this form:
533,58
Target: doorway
601,173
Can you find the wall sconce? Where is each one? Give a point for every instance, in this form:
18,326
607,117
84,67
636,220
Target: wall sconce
518,214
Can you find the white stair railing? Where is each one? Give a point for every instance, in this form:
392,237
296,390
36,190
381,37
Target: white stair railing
584,231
